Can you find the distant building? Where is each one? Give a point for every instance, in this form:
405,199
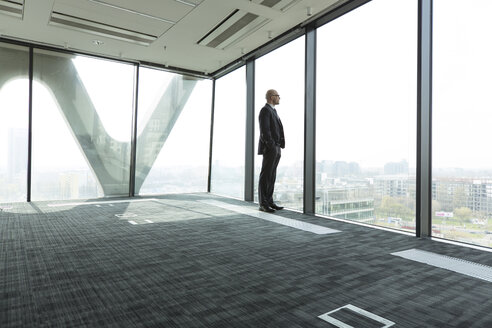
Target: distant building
393,168
394,186
17,153
69,186
454,193
338,168
345,203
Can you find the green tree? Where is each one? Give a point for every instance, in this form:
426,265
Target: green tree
436,206
459,197
463,214
393,207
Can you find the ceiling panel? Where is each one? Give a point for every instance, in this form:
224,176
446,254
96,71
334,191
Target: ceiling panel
168,9
176,27
152,24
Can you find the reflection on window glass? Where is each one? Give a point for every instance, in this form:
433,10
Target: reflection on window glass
173,133
78,151
14,96
366,115
229,135
283,70
462,161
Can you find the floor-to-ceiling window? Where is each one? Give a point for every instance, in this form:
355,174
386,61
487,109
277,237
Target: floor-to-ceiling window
461,121
229,135
366,115
14,105
283,70
173,133
82,118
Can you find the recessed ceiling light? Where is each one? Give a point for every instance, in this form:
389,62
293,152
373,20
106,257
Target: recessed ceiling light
100,29
97,42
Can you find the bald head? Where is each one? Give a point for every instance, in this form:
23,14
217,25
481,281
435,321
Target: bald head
272,97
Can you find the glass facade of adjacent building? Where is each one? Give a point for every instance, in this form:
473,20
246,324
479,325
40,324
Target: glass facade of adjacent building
83,111
79,149
173,133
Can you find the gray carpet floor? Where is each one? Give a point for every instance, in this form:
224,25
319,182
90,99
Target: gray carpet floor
174,261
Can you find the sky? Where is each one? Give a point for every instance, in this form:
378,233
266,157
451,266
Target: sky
462,73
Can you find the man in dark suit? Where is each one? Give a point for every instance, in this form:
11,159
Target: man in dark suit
271,141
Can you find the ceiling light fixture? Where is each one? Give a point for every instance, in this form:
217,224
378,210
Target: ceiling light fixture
188,3
131,11
88,26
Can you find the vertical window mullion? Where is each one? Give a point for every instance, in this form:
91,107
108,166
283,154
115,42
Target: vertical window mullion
209,181
424,123
310,123
250,133
133,145
29,135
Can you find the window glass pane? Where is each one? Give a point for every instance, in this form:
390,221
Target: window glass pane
461,133
14,107
82,112
283,70
229,135
366,115
173,133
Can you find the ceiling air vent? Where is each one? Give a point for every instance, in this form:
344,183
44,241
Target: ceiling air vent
282,5
12,8
235,27
269,3
239,24
88,26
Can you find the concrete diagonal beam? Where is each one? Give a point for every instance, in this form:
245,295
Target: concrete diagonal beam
109,159
160,125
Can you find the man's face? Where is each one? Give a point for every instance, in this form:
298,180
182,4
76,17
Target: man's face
275,98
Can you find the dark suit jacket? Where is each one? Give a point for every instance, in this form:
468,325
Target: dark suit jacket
271,130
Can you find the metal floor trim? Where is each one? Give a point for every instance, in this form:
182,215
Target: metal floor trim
326,317
247,210
103,202
468,268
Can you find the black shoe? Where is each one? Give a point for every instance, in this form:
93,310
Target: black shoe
275,207
266,208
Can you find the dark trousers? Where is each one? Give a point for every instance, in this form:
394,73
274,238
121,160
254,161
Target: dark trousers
268,175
